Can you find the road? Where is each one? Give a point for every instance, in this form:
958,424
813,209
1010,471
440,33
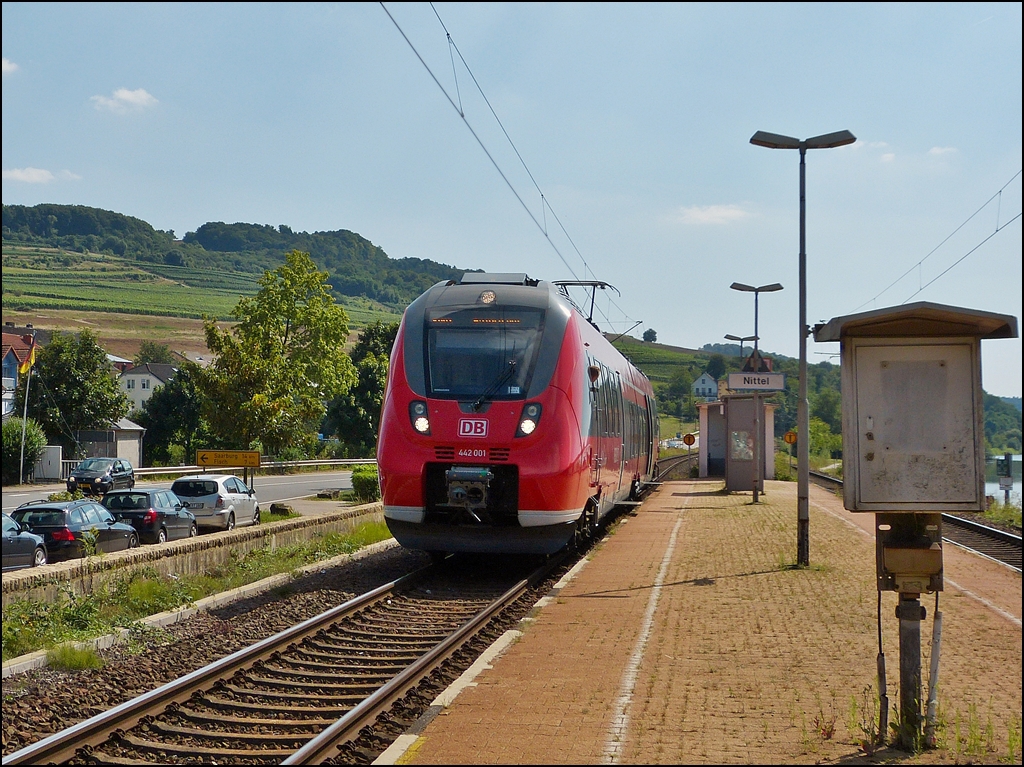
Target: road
269,488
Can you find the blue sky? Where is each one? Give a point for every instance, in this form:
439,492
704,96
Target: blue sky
633,120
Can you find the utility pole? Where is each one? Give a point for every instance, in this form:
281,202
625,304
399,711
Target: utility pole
29,362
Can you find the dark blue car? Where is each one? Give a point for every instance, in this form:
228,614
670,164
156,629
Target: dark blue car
21,548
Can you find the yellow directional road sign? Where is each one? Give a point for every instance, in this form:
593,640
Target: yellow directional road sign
246,458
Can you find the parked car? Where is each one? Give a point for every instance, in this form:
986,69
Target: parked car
21,548
156,515
67,527
218,500
96,476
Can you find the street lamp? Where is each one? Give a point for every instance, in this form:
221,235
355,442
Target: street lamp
826,141
741,340
751,289
757,369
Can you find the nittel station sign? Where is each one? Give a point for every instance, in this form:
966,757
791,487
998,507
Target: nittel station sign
757,381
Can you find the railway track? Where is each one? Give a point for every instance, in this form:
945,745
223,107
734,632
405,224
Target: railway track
312,692
676,466
982,539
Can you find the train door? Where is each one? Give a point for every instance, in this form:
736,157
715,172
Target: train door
620,423
650,437
598,422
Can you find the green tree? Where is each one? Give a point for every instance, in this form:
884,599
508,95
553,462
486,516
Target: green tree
354,416
35,441
284,359
678,393
72,389
716,366
173,416
827,406
823,441
650,336
151,351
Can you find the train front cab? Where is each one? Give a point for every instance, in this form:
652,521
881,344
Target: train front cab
473,481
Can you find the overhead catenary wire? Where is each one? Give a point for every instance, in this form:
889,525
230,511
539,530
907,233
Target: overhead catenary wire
997,196
545,204
965,255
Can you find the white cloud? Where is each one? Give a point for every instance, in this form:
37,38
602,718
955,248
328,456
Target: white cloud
941,150
69,176
711,214
28,175
124,100
888,157
9,67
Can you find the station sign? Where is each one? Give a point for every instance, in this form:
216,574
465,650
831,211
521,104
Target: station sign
757,381
244,458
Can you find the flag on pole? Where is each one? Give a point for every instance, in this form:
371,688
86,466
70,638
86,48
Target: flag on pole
30,358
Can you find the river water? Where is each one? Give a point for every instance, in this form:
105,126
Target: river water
992,483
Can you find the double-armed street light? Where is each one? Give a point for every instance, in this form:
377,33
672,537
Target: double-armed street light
751,289
757,368
825,141
741,340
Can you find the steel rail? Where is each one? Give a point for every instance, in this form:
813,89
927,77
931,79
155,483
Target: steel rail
667,465
64,745
325,745
951,522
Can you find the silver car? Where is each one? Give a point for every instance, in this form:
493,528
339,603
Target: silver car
220,501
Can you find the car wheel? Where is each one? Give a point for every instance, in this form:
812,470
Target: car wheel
231,522
256,515
131,484
39,558
133,541
193,531
161,537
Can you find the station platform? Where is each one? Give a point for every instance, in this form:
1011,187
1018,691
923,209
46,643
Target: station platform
688,636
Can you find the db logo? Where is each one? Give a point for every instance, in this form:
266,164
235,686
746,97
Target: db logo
473,427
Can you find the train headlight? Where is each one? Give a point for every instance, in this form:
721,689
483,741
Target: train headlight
418,416
529,419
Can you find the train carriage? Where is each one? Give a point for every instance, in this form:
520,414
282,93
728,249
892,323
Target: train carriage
509,424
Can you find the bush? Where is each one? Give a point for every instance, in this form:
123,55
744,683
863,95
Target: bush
35,441
365,483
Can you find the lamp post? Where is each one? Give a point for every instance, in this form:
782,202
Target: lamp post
757,368
751,289
825,141
741,340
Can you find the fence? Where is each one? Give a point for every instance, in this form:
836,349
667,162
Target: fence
66,467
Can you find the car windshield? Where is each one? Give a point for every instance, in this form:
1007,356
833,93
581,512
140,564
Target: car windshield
122,501
193,488
39,517
483,353
95,464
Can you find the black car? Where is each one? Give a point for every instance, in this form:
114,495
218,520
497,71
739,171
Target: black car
157,515
96,476
74,529
20,547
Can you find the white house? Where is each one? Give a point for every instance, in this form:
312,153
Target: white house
705,387
138,382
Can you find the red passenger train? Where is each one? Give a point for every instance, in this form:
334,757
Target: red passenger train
510,424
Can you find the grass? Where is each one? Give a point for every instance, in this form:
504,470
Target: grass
1005,513
71,658
29,626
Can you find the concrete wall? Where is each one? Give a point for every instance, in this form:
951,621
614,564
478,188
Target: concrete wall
189,556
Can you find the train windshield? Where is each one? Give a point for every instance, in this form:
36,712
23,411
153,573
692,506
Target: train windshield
482,354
